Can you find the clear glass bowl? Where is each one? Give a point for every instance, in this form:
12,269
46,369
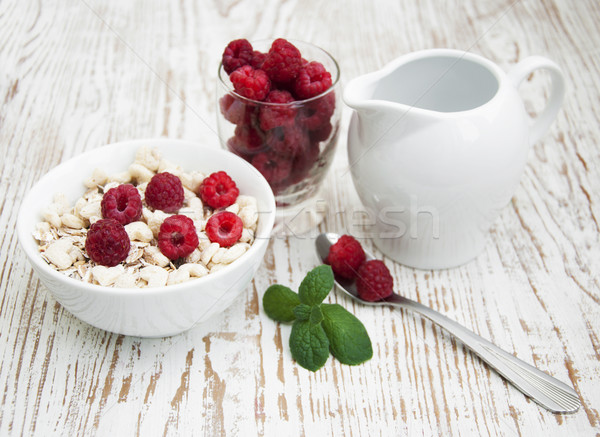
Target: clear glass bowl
291,144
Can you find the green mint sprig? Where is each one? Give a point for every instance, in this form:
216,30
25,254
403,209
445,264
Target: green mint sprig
318,328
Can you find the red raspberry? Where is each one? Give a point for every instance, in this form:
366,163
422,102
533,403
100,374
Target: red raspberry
122,203
250,83
346,256
249,140
304,163
274,115
237,54
257,59
374,281
218,190
224,228
274,168
107,243
177,237
283,61
235,110
275,139
164,192
318,112
246,142
288,141
279,188
312,80
322,133
234,145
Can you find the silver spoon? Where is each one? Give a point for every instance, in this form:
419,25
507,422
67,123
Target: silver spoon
547,391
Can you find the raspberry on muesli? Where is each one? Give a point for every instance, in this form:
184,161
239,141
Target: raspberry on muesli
122,203
159,248
177,237
165,192
107,243
218,190
224,228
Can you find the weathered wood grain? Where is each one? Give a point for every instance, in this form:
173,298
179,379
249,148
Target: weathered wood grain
76,75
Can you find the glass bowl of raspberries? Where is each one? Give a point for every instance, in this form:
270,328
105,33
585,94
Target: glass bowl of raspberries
147,237
279,109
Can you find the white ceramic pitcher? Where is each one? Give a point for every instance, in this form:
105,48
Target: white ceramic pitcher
436,147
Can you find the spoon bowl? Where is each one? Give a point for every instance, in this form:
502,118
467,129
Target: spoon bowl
348,286
542,388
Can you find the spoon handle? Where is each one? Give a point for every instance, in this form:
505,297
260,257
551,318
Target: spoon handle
547,391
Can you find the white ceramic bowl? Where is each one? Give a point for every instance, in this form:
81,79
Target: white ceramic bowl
147,312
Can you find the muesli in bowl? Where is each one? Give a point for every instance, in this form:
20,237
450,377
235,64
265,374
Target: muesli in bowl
130,305
151,225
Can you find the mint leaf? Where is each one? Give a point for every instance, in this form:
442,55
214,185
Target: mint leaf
348,338
309,344
318,328
302,312
316,316
279,303
316,285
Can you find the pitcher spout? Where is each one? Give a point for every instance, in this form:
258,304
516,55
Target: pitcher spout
359,92
373,113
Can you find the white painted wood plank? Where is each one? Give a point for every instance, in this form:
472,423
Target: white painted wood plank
78,75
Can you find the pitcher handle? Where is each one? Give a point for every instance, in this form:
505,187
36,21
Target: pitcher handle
521,71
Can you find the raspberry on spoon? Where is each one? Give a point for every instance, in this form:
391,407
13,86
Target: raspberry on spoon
374,281
346,256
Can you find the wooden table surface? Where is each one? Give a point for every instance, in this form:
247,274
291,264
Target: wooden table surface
78,74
